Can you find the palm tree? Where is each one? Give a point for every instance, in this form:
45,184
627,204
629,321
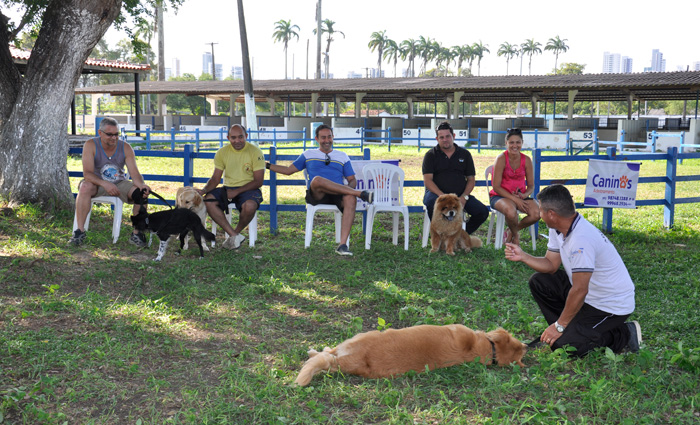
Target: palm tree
446,56
409,49
327,28
556,45
377,41
391,52
531,47
285,31
462,53
479,49
508,50
424,49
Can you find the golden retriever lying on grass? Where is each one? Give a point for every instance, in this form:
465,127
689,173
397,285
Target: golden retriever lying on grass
446,226
378,354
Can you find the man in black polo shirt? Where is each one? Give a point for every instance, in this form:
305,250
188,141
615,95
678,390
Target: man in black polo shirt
448,168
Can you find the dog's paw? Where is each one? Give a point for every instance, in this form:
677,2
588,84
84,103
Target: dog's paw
201,258
433,250
452,253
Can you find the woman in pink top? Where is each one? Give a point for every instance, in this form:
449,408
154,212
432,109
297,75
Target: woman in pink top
513,183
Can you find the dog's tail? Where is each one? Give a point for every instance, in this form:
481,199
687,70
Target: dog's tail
476,242
205,233
317,362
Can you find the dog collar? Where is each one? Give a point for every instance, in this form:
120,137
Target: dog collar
147,221
493,353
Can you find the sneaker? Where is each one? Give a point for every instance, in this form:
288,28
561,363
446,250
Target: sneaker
635,336
343,250
367,196
78,237
234,242
138,239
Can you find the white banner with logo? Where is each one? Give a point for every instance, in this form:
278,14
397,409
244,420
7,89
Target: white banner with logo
611,184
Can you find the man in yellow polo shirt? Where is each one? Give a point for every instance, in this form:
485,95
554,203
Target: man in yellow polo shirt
243,167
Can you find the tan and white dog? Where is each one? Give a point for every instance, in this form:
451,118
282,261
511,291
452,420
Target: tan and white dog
187,197
392,352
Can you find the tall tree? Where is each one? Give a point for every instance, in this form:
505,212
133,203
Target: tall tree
557,46
409,49
530,47
391,53
462,53
34,106
425,46
479,49
509,51
284,32
327,28
378,41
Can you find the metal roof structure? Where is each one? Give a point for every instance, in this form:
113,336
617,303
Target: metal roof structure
92,66
516,88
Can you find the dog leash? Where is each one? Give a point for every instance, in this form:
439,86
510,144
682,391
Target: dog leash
161,198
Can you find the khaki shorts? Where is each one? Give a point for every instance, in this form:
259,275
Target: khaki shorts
125,187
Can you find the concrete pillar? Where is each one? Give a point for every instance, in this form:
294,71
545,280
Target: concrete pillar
94,99
572,95
448,100
534,106
232,105
271,102
162,107
314,104
336,105
456,101
630,100
358,104
409,101
212,102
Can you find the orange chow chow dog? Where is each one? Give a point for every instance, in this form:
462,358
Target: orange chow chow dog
392,352
446,227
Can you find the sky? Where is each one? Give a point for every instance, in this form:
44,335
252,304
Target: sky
590,28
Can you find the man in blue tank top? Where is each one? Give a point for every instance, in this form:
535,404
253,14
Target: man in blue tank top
104,158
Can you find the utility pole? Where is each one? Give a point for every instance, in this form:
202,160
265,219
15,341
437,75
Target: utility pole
250,116
213,62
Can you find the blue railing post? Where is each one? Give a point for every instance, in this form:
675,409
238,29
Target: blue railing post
273,192
595,137
654,136
362,139
682,143
172,136
148,138
418,138
537,139
536,166
568,137
608,212
670,192
478,143
388,135
196,138
221,137
188,171
274,136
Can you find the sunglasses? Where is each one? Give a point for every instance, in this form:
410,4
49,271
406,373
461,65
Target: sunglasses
328,160
514,132
110,134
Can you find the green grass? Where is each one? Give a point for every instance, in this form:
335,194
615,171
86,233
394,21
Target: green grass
101,334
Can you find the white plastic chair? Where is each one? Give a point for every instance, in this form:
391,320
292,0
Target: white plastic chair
252,226
501,219
386,176
116,221
311,211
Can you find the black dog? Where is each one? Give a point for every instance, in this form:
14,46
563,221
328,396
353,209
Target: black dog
178,221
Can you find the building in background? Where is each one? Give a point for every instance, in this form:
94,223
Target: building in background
206,63
219,72
237,72
626,65
658,63
611,63
175,68
353,74
696,66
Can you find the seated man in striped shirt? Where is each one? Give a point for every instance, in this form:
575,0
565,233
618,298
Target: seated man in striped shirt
327,169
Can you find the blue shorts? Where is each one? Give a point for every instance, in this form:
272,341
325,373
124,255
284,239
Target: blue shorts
222,199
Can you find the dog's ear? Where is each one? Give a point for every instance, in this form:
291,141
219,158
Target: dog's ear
197,199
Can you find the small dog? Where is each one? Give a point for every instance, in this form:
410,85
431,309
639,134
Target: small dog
187,197
392,352
446,226
178,221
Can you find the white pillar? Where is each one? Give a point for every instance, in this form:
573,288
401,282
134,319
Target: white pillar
358,104
572,95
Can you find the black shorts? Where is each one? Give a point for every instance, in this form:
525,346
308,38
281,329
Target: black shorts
336,200
220,194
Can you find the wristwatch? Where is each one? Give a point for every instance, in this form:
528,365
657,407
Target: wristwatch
466,197
559,327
